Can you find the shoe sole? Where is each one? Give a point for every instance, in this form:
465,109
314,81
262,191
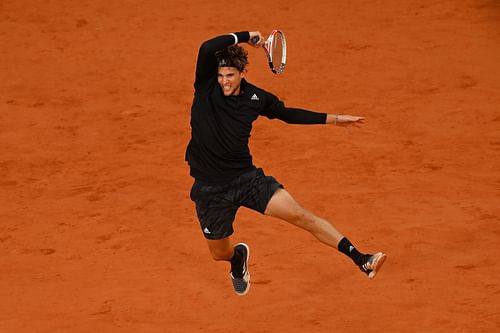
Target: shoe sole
248,271
377,264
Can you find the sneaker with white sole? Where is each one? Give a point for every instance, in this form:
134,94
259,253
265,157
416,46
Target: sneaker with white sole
372,264
240,276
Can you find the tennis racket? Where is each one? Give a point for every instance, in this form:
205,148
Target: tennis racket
275,48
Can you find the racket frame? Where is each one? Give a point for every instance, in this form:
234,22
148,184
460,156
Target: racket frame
268,44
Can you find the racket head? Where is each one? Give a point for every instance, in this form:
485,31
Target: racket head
275,47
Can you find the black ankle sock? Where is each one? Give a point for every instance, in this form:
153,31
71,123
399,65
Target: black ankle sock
349,250
236,263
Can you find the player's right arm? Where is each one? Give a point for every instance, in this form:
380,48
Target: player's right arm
206,65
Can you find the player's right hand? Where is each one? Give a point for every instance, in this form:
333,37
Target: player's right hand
256,39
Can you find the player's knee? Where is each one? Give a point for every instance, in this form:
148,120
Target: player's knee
300,216
219,255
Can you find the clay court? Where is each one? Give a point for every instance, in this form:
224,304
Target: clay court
97,231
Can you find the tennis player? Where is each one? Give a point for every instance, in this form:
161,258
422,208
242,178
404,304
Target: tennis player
225,178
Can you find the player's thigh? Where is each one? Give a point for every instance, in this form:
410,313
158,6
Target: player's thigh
283,206
255,189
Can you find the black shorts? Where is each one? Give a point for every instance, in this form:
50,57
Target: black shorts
216,205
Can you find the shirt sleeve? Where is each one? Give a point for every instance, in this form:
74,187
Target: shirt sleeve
277,109
206,65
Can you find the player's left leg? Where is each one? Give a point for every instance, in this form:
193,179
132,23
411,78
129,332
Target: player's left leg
283,206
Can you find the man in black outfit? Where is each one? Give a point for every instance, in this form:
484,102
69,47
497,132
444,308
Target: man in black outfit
224,108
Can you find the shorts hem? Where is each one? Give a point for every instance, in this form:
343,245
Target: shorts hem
216,237
272,192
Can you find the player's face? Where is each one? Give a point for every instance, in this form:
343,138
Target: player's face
230,80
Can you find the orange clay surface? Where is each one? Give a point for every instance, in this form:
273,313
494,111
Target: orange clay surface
97,231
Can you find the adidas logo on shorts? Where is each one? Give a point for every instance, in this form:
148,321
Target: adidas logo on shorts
254,97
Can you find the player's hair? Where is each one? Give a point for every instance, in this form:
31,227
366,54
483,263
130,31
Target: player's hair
232,56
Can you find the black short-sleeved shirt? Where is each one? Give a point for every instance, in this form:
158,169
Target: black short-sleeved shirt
220,125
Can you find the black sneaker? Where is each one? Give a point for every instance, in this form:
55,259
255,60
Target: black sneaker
241,276
372,264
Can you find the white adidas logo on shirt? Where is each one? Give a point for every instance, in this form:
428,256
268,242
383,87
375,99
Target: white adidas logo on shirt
255,97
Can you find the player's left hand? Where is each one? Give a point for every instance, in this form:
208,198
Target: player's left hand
344,119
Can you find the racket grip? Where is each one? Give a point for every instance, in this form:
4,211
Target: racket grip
254,40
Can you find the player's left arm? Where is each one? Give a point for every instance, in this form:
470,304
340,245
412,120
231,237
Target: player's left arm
277,109
343,119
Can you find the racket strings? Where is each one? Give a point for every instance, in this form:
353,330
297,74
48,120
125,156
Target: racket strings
277,52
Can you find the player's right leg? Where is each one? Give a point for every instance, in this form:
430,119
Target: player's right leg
237,255
221,249
216,214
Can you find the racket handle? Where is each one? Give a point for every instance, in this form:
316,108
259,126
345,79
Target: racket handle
254,40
